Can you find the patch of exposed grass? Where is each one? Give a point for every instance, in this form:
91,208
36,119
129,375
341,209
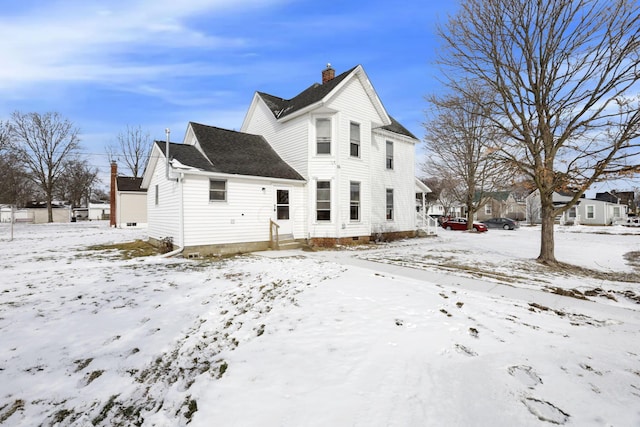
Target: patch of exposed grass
128,250
573,293
633,258
16,406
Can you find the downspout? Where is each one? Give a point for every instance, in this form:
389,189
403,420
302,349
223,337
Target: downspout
180,204
167,131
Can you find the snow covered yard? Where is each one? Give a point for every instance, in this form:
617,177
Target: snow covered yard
461,329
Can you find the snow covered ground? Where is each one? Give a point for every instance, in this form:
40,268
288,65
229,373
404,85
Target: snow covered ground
458,330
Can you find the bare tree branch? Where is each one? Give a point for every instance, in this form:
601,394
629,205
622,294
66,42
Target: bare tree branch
566,76
44,142
461,140
133,148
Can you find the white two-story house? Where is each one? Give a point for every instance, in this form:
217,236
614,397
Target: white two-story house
328,166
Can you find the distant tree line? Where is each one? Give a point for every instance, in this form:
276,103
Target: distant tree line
40,160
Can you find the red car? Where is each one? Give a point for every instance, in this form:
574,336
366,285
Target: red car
461,224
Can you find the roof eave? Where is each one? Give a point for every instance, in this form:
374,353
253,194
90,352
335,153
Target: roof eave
201,172
396,135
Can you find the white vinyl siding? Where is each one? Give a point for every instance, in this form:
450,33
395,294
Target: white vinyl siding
162,217
289,139
245,215
401,180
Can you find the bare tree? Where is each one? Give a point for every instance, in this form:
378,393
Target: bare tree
133,148
16,188
75,185
4,136
460,140
44,142
563,72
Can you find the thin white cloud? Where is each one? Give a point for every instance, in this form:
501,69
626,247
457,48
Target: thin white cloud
81,41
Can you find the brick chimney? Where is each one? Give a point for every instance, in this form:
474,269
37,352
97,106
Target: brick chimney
112,204
328,74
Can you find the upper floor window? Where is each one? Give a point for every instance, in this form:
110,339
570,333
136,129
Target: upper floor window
488,209
323,201
217,190
323,136
354,139
354,207
389,154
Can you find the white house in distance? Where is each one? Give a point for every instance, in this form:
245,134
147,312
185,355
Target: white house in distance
328,166
131,202
599,211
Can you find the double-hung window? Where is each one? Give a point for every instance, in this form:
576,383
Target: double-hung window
217,190
354,140
323,201
389,154
323,136
389,203
591,211
354,206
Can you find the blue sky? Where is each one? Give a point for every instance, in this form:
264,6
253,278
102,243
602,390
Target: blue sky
163,63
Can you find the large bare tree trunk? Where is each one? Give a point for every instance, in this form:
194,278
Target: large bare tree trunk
547,253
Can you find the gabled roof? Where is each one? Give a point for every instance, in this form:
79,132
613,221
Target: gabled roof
230,152
187,155
315,93
607,197
396,127
129,183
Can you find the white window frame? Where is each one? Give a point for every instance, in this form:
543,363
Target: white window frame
326,201
488,209
354,139
592,214
354,203
389,155
389,214
213,191
324,141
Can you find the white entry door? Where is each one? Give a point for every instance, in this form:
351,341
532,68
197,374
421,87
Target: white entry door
283,211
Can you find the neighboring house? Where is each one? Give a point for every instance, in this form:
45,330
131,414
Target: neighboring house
605,209
328,166
627,198
501,204
36,213
585,211
99,210
131,202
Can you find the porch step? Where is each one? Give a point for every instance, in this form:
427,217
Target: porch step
289,244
